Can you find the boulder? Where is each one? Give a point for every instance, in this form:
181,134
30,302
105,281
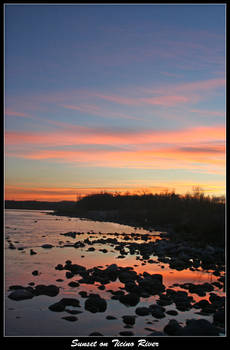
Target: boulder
50,290
47,246
130,299
21,294
142,311
128,319
95,303
172,328
199,327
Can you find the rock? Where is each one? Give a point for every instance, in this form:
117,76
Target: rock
95,303
57,307
112,268
73,312
35,273
91,249
219,317
69,274
199,327
50,290
111,317
47,246
32,252
172,312
70,318
21,294
126,276
83,294
73,284
151,285
216,300
172,328
130,299
157,311
142,311
60,306
201,304
128,319
16,287
70,302
155,334
126,333
164,300
95,334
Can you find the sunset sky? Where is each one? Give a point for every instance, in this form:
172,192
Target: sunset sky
113,97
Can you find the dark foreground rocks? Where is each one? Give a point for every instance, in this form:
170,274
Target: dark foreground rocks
61,305
95,303
22,293
200,327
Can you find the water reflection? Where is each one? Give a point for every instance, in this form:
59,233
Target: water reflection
32,229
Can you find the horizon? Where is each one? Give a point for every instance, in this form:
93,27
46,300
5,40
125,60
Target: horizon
115,98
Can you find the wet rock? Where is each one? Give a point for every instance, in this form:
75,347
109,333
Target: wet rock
216,300
70,302
95,303
130,299
61,305
47,246
16,287
172,312
32,252
112,268
70,318
91,249
21,294
35,273
126,276
156,334
128,319
199,327
151,284
131,286
109,317
172,328
219,318
126,333
57,307
142,311
83,294
74,284
201,304
73,312
157,311
50,290
69,274
164,300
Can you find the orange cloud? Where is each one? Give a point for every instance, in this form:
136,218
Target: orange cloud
83,135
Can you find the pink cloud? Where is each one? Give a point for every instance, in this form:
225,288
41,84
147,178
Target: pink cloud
83,135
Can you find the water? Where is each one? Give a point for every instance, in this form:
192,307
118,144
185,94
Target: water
27,230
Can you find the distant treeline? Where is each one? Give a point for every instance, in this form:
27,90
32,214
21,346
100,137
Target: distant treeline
37,205
194,217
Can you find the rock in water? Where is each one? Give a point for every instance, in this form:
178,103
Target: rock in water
95,303
21,294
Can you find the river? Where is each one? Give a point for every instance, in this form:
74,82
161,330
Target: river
31,229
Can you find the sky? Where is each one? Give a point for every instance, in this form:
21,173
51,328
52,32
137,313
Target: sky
103,97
